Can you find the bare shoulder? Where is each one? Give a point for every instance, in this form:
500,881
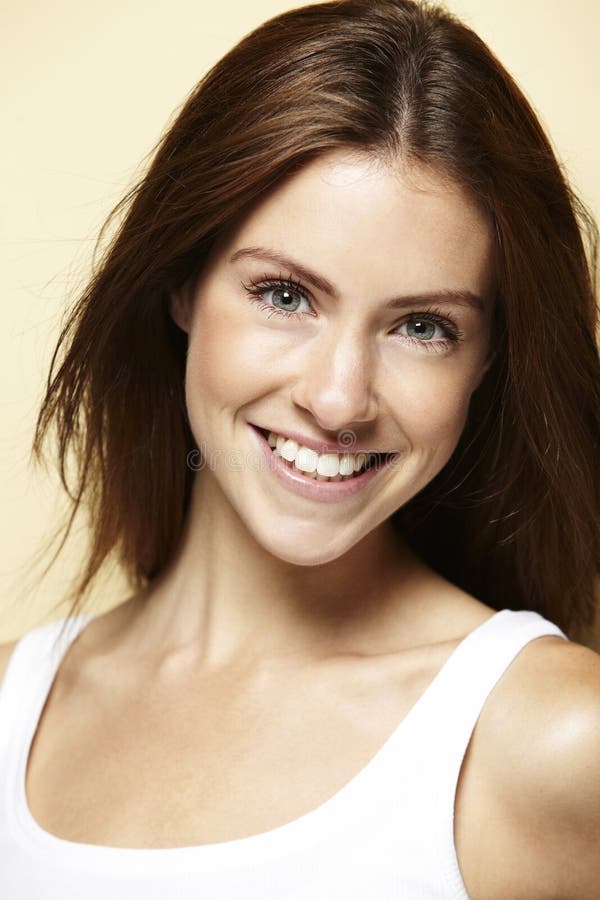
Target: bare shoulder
5,655
547,704
538,742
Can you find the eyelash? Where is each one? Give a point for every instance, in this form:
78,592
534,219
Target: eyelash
255,289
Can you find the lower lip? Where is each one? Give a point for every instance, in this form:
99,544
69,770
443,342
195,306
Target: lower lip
310,487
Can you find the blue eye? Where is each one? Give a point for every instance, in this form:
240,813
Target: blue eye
286,292
423,328
285,298
290,294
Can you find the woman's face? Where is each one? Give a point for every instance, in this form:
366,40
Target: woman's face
329,357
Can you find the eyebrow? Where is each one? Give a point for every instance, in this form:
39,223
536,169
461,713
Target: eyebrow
458,297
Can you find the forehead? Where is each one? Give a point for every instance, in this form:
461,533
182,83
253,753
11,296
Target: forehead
354,218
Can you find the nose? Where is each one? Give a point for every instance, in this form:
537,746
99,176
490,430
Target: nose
336,384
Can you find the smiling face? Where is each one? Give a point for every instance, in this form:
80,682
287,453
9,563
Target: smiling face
378,342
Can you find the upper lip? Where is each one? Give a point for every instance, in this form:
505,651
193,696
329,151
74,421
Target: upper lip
320,446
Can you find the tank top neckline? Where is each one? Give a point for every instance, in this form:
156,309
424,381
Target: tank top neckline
308,828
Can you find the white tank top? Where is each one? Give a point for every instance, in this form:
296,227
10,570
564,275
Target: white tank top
386,835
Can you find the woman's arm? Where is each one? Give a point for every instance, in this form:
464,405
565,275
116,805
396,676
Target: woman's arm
540,746
560,777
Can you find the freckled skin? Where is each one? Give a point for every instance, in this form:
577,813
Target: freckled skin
375,233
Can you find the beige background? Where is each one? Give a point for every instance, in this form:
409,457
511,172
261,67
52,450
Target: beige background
87,90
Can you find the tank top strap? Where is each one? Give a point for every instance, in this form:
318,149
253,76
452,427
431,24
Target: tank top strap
473,670
445,720
28,676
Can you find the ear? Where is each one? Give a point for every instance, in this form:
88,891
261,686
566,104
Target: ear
180,308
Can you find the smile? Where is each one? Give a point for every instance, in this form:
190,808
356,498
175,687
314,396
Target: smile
306,472
332,466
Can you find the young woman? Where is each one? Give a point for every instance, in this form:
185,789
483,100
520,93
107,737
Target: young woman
333,396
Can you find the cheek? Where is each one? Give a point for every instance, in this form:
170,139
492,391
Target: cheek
432,409
224,363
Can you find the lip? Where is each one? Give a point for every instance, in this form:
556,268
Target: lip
309,487
322,446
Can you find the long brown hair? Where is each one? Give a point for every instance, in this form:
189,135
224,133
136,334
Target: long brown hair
512,517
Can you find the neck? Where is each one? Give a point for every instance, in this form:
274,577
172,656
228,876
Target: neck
224,597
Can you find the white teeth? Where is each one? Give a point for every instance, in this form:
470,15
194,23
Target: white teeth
306,460
322,466
328,464
289,450
346,464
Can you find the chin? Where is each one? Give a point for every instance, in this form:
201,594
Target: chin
305,546
310,542
312,557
